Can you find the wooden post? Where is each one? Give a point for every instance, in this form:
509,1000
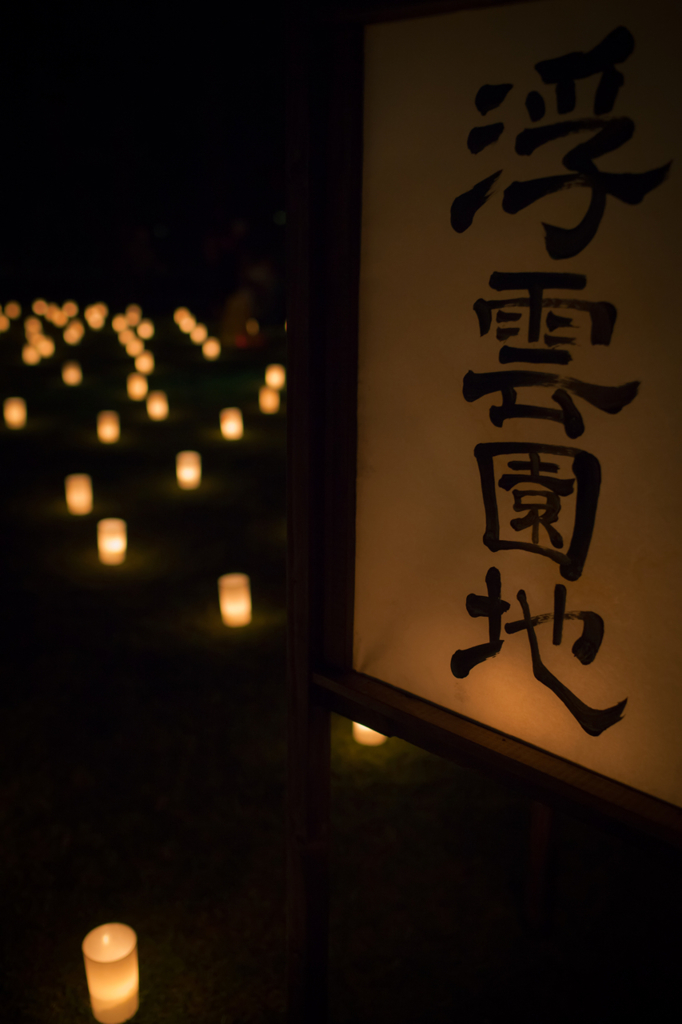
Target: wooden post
536,902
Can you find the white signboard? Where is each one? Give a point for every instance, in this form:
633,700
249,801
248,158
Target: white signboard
520,377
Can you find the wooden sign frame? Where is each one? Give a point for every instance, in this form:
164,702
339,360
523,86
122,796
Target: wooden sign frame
325,135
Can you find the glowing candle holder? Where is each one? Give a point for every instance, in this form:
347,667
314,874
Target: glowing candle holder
78,487
144,363
127,335
145,329
268,400
234,592
181,313
211,349
367,737
112,541
32,325
73,334
13,310
133,314
157,405
72,373
30,355
198,333
275,376
134,346
137,386
14,411
187,323
59,318
108,426
70,308
44,344
39,307
231,424
112,972
188,470
4,323
119,323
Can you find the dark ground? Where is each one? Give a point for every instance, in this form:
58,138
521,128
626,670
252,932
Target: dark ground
142,756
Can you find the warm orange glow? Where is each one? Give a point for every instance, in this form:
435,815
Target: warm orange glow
128,335
73,334
78,487
112,541
137,386
112,972
108,426
134,346
145,362
32,325
145,329
188,470
187,324
44,344
13,310
133,314
275,376
199,334
39,307
59,317
4,323
252,326
72,373
181,313
95,320
157,405
70,308
268,400
102,309
367,737
14,411
30,355
119,323
211,349
234,592
231,424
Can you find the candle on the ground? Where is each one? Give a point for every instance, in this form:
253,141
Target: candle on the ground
14,411
157,405
78,488
112,541
211,349
145,329
133,314
72,373
198,333
367,737
137,386
144,363
30,355
234,591
112,972
188,470
108,426
268,400
231,424
275,376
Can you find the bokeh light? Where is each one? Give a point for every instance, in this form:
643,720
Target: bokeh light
211,349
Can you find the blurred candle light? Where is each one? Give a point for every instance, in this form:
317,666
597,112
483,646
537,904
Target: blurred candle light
135,347
157,405
144,363
32,325
13,310
234,592
252,326
44,344
199,334
187,323
231,424
14,411
145,329
188,470
137,386
59,317
78,487
39,307
367,737
112,972
50,311
72,373
112,541
102,309
30,355
4,323
119,323
181,313
211,349
73,334
70,308
127,335
275,376
133,314
268,400
108,426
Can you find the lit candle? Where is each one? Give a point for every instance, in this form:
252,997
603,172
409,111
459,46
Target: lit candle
133,314
275,376
119,323
30,355
134,345
13,310
4,322
268,400
231,424
234,591
157,405
73,334
78,488
211,349
108,426
188,470
145,329
145,362
112,541
187,323
70,308
198,333
367,737
111,968
72,373
44,344
137,386
14,411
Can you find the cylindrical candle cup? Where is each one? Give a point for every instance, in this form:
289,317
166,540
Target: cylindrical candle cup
188,470
144,363
234,592
157,405
14,411
231,424
275,376
72,373
108,426
78,487
268,400
112,972
112,541
137,386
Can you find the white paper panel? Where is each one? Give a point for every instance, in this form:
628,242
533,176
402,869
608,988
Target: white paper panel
420,519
